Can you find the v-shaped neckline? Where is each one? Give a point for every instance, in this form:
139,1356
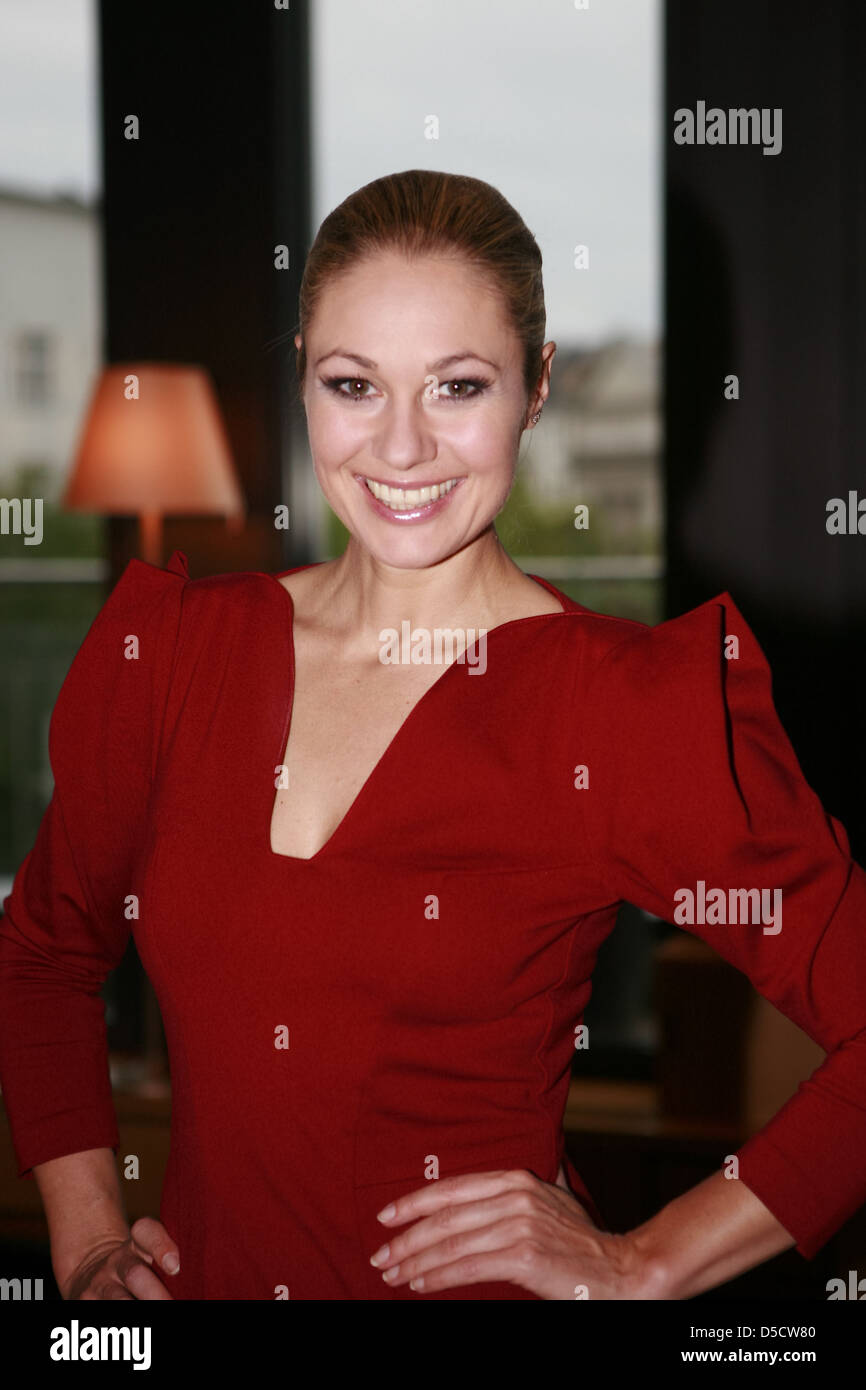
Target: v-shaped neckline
363,791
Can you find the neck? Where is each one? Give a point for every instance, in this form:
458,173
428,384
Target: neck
469,589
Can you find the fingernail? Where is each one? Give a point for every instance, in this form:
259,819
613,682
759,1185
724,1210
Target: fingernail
171,1263
380,1256
387,1212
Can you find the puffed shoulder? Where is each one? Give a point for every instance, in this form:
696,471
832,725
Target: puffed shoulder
698,811
104,730
693,775
123,663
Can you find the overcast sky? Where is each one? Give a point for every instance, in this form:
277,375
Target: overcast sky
558,107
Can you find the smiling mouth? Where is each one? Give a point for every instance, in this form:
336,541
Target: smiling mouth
404,499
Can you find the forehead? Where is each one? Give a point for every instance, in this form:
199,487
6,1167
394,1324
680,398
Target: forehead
389,295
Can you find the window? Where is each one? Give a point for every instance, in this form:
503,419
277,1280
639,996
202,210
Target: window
34,368
50,330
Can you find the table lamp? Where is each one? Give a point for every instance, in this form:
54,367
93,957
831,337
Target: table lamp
154,442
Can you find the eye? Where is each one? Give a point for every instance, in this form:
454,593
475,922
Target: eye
336,384
476,384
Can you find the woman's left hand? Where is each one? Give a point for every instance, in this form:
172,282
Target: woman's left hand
507,1226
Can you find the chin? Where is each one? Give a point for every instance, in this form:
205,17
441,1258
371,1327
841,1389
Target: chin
408,551
406,554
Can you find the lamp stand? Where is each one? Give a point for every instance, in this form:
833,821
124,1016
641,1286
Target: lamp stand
150,537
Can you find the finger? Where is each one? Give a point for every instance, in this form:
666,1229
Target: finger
103,1289
152,1240
140,1279
461,1245
512,1264
467,1187
455,1219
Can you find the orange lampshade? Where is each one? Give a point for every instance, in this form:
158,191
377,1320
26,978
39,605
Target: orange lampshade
154,442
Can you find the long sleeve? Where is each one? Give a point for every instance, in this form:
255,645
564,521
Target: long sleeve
65,924
694,787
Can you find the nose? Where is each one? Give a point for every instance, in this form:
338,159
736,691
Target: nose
403,436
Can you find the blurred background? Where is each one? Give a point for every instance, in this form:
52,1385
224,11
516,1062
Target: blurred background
178,242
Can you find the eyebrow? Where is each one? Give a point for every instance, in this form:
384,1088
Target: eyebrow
439,366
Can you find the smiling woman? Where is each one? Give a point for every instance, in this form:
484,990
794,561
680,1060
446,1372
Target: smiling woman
370,895
430,295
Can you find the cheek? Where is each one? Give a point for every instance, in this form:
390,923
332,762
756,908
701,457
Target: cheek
481,436
488,446
334,435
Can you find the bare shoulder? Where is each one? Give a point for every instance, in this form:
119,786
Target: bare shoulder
305,586
538,600
523,598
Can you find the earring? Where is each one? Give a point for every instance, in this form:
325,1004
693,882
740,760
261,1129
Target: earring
537,416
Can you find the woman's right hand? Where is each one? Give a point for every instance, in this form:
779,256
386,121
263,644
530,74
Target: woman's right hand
120,1269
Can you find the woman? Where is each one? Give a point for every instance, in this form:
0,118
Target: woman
369,891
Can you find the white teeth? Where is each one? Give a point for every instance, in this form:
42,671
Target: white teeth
401,499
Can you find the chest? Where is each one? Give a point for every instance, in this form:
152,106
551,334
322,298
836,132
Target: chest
343,718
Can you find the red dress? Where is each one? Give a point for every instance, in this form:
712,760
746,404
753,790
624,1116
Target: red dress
432,962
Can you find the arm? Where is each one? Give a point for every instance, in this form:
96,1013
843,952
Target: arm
711,1234
64,928
94,1253
707,790
83,1204
509,1225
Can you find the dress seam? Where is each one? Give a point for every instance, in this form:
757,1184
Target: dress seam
590,835
551,1137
